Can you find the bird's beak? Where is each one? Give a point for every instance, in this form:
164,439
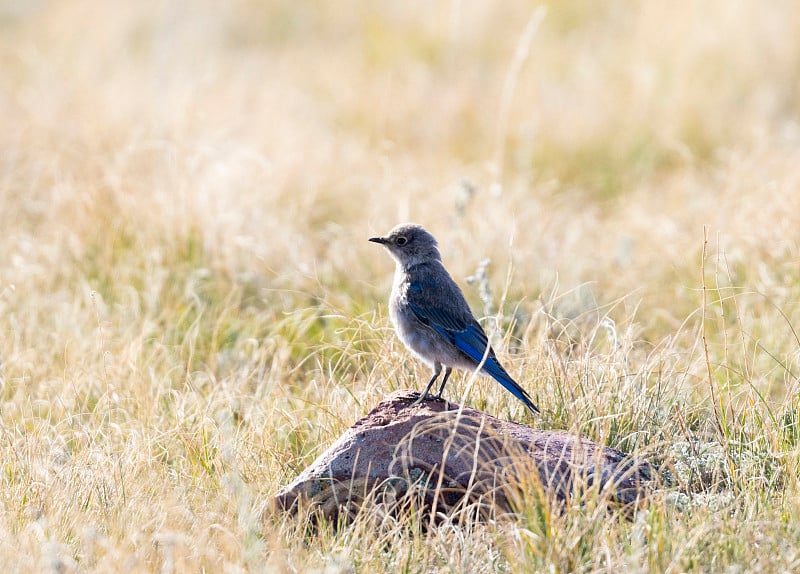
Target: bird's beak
381,240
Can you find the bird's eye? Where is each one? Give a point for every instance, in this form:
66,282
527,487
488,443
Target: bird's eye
401,240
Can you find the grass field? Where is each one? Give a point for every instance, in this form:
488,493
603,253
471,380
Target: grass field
190,311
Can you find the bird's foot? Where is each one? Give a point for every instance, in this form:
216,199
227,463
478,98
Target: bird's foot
421,398
427,397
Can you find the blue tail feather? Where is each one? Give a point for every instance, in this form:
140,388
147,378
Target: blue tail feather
470,342
470,339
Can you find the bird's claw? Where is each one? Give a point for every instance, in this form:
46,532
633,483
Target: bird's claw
427,397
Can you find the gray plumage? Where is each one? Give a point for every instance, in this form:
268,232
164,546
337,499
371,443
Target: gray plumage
431,315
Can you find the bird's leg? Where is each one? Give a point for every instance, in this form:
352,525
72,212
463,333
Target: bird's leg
447,372
436,370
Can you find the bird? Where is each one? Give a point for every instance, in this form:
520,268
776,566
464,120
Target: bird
431,316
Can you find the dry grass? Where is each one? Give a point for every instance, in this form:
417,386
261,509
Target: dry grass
190,310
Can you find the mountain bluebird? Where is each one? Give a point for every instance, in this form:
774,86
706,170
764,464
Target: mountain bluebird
431,316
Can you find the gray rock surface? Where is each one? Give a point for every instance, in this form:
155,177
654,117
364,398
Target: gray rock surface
439,459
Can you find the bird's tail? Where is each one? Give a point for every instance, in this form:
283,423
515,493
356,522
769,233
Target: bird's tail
499,374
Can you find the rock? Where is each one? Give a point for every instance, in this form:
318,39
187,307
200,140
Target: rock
439,459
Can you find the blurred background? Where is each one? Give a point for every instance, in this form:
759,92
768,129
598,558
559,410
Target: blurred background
581,146
283,133
187,188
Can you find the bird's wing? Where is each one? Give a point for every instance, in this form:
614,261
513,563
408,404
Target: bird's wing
448,314
438,303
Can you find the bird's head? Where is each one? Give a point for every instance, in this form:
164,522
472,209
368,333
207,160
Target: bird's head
409,244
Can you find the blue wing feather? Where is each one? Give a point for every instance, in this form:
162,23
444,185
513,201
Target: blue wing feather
470,339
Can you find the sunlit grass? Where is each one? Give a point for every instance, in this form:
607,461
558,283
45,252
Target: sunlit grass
191,312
